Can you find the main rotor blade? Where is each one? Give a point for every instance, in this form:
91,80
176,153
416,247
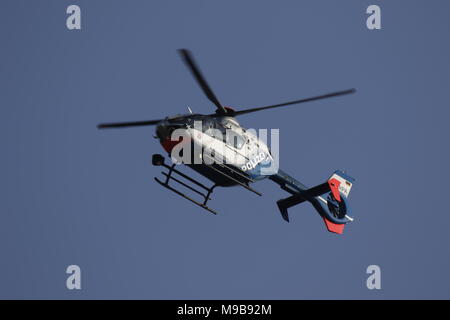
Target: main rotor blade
325,96
189,60
127,124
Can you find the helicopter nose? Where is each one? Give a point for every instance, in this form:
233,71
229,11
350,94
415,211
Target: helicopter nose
164,131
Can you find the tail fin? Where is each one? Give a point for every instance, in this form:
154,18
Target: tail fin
340,183
340,186
334,209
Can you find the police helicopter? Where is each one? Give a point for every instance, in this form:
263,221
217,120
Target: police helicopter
217,147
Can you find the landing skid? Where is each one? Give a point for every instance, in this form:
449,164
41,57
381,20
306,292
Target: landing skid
158,160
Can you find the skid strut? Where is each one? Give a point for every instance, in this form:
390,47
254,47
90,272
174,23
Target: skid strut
158,160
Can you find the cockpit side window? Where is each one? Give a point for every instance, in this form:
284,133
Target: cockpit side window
235,140
217,130
213,130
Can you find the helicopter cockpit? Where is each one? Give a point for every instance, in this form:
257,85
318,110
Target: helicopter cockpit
229,130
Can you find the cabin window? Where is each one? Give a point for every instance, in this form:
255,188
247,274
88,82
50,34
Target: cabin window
235,140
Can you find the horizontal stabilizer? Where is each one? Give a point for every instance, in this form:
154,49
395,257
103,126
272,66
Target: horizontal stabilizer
300,197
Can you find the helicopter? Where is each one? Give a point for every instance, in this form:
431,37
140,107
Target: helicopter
217,147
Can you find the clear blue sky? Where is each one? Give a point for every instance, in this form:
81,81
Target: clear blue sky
71,194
